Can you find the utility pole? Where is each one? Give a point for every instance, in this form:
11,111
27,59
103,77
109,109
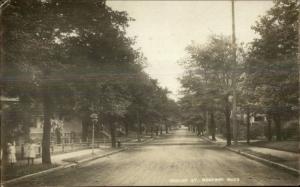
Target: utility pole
234,120
94,118
299,74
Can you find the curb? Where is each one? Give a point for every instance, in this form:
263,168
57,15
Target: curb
138,143
100,156
262,160
147,141
60,167
265,161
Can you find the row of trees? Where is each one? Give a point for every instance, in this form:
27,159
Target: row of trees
266,71
208,83
73,58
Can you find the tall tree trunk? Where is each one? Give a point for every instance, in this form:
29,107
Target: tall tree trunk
212,126
151,131
46,157
198,130
204,123
139,126
85,127
227,122
248,125
270,134
166,127
277,120
161,129
202,129
112,133
126,128
207,122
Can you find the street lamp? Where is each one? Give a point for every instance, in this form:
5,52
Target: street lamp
94,118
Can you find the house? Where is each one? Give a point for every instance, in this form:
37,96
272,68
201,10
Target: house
258,119
62,131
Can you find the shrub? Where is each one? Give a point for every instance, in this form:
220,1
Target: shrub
290,130
257,130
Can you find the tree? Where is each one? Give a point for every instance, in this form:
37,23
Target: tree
73,57
150,104
64,44
272,62
29,57
209,72
191,113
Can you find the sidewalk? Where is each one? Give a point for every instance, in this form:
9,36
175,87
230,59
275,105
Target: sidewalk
284,159
69,159
58,159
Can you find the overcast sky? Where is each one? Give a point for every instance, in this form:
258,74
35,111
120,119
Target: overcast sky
165,28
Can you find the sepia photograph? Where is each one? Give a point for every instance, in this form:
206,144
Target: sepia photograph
149,93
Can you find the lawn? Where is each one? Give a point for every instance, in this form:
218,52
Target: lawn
22,170
291,146
290,163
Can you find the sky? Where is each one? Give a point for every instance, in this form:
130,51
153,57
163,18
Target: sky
163,29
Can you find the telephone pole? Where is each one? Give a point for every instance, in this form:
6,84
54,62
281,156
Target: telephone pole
234,120
298,74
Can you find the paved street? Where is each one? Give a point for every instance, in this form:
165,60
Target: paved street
179,158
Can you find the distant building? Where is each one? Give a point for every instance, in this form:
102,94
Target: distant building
258,118
6,101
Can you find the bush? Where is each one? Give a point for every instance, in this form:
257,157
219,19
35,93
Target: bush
257,130
290,130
